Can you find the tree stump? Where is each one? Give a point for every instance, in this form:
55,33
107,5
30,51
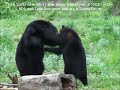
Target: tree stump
47,82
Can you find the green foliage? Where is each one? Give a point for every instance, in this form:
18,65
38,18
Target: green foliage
100,37
53,63
4,7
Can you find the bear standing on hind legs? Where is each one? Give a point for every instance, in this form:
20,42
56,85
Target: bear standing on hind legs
73,54
30,49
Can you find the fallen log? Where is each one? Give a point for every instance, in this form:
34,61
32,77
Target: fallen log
47,82
8,85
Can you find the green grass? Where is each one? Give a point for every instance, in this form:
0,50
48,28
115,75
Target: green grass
100,37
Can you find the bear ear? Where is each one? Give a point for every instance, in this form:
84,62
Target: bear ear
63,26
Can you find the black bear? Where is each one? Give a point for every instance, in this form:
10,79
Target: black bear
73,54
30,49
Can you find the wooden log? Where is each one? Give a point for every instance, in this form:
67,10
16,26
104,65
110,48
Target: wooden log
47,82
6,88
8,85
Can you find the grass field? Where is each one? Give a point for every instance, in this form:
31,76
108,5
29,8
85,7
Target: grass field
100,35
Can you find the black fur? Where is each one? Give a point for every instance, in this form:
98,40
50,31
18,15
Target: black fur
73,54
30,49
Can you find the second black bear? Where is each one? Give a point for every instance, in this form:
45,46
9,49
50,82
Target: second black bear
30,49
73,54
